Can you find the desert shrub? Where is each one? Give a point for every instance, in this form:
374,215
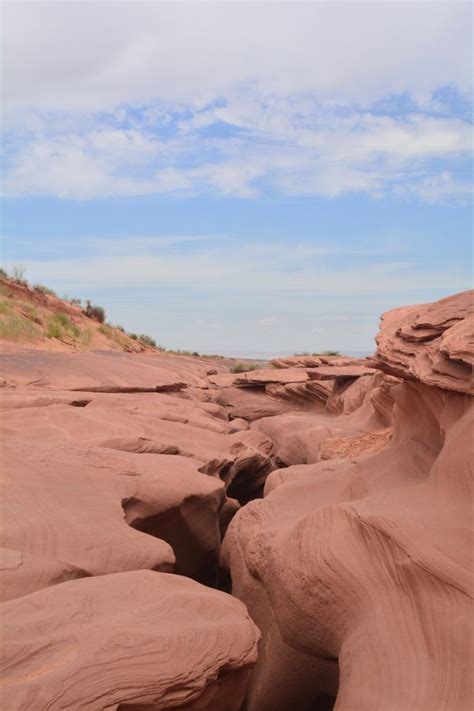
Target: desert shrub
305,353
18,274
330,353
60,325
4,307
14,327
62,320
3,274
44,290
147,340
195,354
113,335
29,310
95,312
85,337
54,330
134,336
243,367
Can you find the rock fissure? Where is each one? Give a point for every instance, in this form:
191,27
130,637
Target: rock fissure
330,498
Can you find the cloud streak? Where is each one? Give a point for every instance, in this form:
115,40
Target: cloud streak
232,269
290,154
237,99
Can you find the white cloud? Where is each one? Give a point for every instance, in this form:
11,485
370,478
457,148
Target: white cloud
111,99
439,188
223,269
361,152
265,296
96,56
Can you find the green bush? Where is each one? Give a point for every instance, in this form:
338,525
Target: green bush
54,330
14,327
95,312
44,290
243,367
62,320
147,340
60,325
85,337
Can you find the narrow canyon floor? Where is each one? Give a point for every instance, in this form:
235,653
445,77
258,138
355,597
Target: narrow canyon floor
294,538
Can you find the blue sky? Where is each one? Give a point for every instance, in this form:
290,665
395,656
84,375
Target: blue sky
240,177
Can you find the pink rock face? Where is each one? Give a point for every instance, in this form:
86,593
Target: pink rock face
358,570
318,361
329,372
131,640
102,498
335,491
264,376
433,343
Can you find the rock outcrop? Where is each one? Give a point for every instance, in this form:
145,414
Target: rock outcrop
433,343
103,499
357,570
136,640
332,497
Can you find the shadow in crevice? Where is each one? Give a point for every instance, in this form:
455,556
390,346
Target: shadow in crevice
191,530
323,703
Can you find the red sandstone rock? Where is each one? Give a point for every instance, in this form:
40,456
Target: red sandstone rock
318,361
98,484
432,342
264,376
126,641
355,565
330,372
106,371
360,568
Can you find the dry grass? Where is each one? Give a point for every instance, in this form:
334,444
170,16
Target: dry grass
17,328
60,326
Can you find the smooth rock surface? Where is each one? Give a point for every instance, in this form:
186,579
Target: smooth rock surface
358,568
126,641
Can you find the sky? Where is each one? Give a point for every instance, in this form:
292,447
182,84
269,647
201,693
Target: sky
240,177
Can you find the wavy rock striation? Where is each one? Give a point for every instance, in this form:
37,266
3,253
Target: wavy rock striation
136,640
358,570
342,486
103,498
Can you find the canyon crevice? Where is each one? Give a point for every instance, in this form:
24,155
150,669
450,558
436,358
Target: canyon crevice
331,496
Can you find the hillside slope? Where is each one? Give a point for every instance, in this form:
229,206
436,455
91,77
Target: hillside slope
35,317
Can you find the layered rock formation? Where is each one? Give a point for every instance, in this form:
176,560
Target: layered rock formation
331,495
357,571
137,640
103,498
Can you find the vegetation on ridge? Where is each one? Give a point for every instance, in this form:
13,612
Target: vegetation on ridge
34,313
